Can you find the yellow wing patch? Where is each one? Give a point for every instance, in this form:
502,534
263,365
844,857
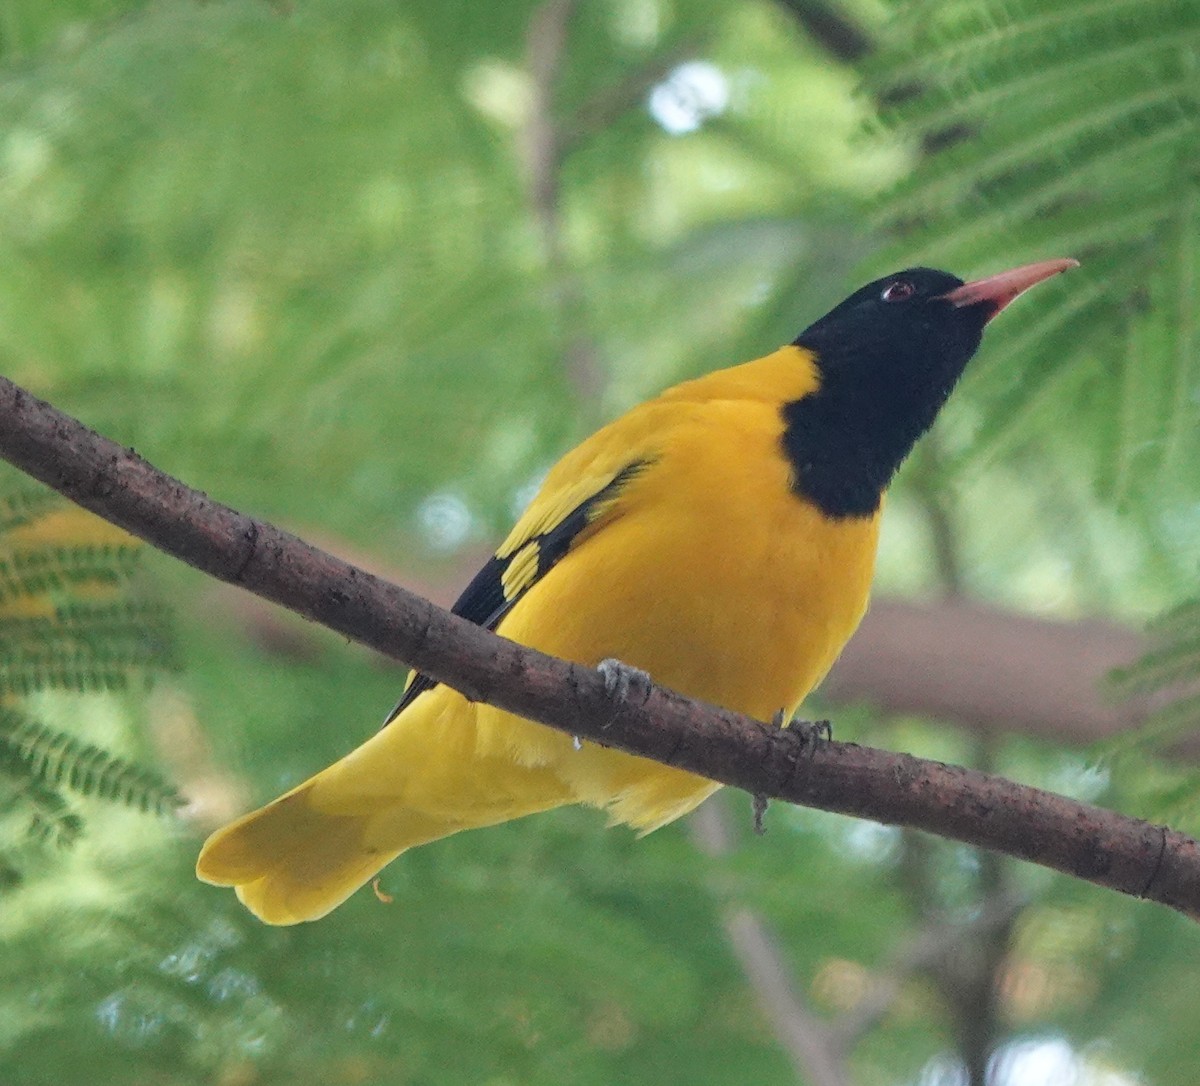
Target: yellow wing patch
521,571
550,527
547,511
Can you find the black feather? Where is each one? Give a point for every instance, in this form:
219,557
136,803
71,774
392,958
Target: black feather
484,602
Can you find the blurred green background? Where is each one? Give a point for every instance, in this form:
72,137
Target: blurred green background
364,268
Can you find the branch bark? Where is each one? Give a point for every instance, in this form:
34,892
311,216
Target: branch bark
989,671
980,809
993,671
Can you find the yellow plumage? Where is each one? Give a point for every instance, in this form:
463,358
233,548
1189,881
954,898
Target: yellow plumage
704,568
720,537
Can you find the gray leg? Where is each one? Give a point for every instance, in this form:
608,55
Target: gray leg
759,801
759,808
619,678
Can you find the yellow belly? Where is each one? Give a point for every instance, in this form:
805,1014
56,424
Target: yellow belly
707,571
718,580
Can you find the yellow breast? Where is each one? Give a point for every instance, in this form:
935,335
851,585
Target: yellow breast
715,577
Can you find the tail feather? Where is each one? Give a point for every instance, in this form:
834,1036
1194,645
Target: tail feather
291,862
443,766
301,856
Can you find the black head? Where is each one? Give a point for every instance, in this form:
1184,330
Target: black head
888,357
898,344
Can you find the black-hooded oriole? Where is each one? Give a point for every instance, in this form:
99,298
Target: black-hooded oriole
720,537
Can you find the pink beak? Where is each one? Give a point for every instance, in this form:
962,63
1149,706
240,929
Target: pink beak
997,291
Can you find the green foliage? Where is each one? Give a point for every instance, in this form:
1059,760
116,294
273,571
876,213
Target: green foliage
49,816
40,572
69,622
86,646
1165,681
1063,128
56,760
292,253
24,506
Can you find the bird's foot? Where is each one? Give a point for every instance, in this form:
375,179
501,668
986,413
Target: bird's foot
814,733
759,808
811,735
811,732
759,801
619,678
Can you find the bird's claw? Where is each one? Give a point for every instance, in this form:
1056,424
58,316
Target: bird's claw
811,732
619,678
815,733
759,808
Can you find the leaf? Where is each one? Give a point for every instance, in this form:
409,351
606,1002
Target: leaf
1167,676
59,760
1065,128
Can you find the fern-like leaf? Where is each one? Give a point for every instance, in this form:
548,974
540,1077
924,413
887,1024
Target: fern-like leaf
61,761
1076,130
44,571
1167,677
50,818
24,506
69,620
85,646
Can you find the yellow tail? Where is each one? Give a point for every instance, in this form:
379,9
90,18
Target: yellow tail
421,778
291,862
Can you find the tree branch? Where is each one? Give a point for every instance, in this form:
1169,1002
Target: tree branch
994,671
989,671
937,938
832,29
814,1049
1111,850
544,144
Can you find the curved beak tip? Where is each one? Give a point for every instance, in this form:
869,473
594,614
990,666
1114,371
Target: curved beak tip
997,291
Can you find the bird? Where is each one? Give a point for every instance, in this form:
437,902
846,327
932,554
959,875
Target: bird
720,537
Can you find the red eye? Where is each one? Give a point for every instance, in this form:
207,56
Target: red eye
898,291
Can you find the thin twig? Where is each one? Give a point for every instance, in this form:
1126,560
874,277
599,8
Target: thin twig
1106,848
808,1043
969,977
834,30
936,939
814,1049
610,103
545,145
927,477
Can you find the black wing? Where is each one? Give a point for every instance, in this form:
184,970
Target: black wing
502,581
